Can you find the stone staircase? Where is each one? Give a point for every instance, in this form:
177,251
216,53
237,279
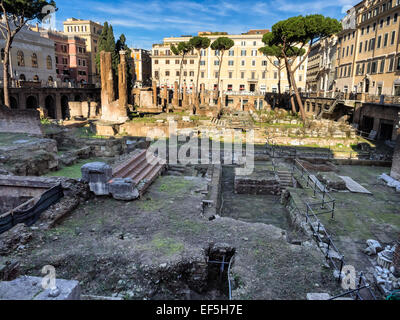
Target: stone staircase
141,169
285,178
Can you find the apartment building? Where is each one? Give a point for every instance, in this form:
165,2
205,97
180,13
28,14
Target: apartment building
71,58
244,68
90,31
31,57
142,62
368,51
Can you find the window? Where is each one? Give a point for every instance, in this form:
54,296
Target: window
373,67
352,48
378,45
254,43
381,23
243,43
230,62
202,74
156,74
216,74
155,61
177,73
253,53
242,75
243,53
395,18
231,53
191,61
398,64
382,69
264,63
185,73
275,75
388,20
167,73
20,59
216,62
167,61
230,74
176,61
391,63
361,45
263,75
393,38
253,63
216,52
184,61
2,54
385,41
34,61
202,63
191,73
243,62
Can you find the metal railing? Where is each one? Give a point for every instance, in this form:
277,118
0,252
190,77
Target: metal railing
355,293
327,201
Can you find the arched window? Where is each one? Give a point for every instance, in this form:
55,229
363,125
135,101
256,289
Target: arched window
36,78
2,54
50,79
20,59
34,61
22,77
49,63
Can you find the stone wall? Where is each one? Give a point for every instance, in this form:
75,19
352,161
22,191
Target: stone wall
395,172
83,109
20,121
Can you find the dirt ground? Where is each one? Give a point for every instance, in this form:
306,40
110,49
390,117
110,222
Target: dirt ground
156,248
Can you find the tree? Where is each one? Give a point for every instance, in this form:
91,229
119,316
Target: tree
101,44
17,14
107,43
221,44
199,43
293,35
182,49
276,51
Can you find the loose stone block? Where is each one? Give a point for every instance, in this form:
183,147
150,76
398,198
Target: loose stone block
123,189
97,174
30,288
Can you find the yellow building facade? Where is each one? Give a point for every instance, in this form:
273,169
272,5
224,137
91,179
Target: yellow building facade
243,69
368,52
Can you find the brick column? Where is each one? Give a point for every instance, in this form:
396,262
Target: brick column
58,106
154,87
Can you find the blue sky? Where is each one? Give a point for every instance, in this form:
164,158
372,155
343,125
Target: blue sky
148,22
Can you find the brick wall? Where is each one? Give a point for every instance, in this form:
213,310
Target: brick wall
20,121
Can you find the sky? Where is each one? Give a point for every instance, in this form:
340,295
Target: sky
147,22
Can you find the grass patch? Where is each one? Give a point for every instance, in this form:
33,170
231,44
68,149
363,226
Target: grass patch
73,171
166,246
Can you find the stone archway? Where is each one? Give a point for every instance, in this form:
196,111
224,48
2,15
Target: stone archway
64,107
13,103
32,102
50,107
